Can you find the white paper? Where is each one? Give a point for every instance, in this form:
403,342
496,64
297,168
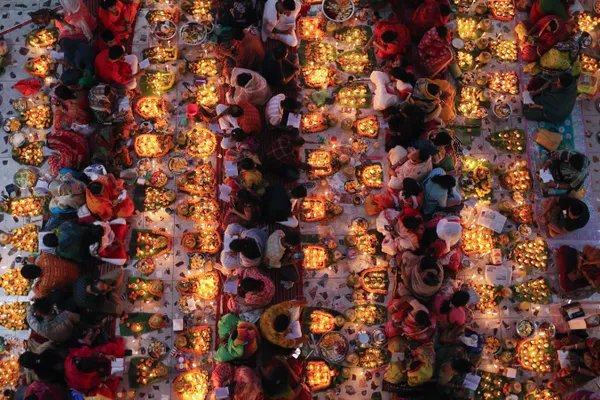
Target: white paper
178,325
578,323
191,304
222,393
124,104
491,219
251,316
224,192
145,63
294,120
231,286
231,168
296,330
117,367
563,358
510,373
527,99
215,128
546,176
473,296
471,381
57,55
498,275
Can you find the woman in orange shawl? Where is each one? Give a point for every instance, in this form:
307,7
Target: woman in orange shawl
435,52
546,33
428,15
102,198
390,39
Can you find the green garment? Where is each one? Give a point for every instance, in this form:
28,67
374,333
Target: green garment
558,103
554,7
228,351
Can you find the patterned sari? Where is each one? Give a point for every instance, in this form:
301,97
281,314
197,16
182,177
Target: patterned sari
545,39
427,16
435,53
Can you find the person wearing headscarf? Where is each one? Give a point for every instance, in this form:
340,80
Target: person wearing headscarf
255,290
535,39
118,17
422,277
244,381
68,192
249,86
435,52
77,20
106,198
243,247
239,339
430,14
390,39
569,169
279,21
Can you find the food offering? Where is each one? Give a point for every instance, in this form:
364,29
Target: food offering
317,77
504,50
489,297
367,243
205,67
525,328
199,142
193,33
152,107
338,10
470,104
12,125
509,141
202,210
200,181
532,254
313,209
168,14
536,291
144,289
316,257
14,284
178,164
313,123
468,28
587,22
161,54
310,28
207,96
354,95
157,349
158,179
536,354
322,162
492,386
191,385
492,345
198,9
25,178
373,357
367,314
588,63
543,394
370,175
26,207
318,320
465,60
139,323
202,241
12,315
42,37
157,82
477,240
38,117
517,178
151,198
476,179
164,30
147,244
24,238
504,82
375,280
145,371
150,145
196,340
145,266
521,213
502,10
333,347
318,375
205,285
367,127
40,66
356,61
313,53
357,35
10,372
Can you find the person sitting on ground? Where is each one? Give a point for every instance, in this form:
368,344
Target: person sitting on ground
441,239
569,169
42,319
404,81
250,177
118,17
279,252
71,241
241,15
541,8
278,206
247,85
281,69
47,366
279,21
550,101
244,209
109,248
451,309
67,191
103,100
427,96
440,191
535,39
116,68
282,378
242,247
239,340
76,20
242,381
284,157
71,108
430,14
405,127
255,290
444,153
278,109
107,40
451,377
247,50
410,230
106,198
411,195
100,295
52,272
412,320
390,39
564,214
417,166
243,115
435,52
280,326
422,276
78,54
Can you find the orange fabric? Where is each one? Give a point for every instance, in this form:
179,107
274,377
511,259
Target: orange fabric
57,273
116,23
112,71
399,45
105,205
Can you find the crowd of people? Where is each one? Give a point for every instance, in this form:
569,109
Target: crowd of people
71,347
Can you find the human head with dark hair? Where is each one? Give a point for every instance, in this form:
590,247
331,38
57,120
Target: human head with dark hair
577,161
293,132
245,196
411,222
86,364
238,135
115,53
431,278
238,245
445,181
71,77
442,138
565,80
238,34
297,142
108,4
433,89
299,192
292,238
462,365
64,93
236,111
460,298
247,164
290,104
281,323
442,31
243,79
50,240
275,382
429,262
410,187
423,155
280,53
577,208
251,285
445,9
286,6
402,75
553,25
251,250
31,271
29,360
108,38
422,318
43,306
388,36
95,188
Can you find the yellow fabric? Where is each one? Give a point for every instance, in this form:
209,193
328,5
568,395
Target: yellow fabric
556,60
267,321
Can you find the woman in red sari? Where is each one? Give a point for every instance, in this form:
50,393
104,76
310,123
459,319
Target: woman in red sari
282,379
430,14
541,8
88,369
390,39
70,107
535,39
72,150
102,198
435,52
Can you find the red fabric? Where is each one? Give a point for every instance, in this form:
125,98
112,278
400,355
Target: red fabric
102,205
46,391
116,251
283,152
545,41
398,46
435,53
72,148
250,122
116,23
427,16
103,46
118,72
28,86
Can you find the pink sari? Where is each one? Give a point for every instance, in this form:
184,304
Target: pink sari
435,54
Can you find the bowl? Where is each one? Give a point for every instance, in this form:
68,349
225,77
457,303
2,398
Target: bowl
25,178
333,347
502,110
458,43
525,328
12,125
193,33
340,17
164,30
